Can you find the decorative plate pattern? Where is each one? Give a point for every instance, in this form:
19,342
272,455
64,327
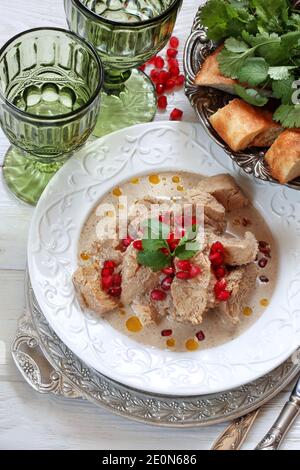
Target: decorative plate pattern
52,257
71,378
206,101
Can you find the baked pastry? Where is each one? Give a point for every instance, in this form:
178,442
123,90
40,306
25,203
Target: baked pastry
241,125
210,75
283,157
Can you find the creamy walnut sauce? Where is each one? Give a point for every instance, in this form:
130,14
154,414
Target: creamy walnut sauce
214,330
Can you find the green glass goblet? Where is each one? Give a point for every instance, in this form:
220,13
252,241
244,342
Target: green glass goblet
126,33
50,82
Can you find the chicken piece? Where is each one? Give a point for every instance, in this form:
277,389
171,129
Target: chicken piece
239,124
225,190
238,251
87,284
146,312
106,250
190,297
214,212
241,283
136,280
283,157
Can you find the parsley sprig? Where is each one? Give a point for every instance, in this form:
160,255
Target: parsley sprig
261,49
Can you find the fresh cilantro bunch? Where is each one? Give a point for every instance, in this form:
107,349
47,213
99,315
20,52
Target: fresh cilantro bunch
261,49
158,253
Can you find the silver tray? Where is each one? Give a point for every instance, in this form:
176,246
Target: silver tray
206,101
50,367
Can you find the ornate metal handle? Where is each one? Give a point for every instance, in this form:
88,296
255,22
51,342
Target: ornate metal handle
289,413
235,434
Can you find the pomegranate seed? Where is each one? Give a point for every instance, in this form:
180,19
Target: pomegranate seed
173,63
265,251
180,80
184,265
200,336
127,241
216,259
162,102
220,285
160,88
115,291
165,251
263,262
170,84
246,222
159,62
183,275
157,294
163,77
217,247
142,67
154,74
166,332
173,245
220,272
166,283
176,115
138,245
165,218
117,280
195,271
263,278
109,264
223,295
151,61
172,53
174,71
107,282
262,244
174,42
107,272
169,270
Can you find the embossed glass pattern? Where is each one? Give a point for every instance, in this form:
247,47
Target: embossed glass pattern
126,34
50,84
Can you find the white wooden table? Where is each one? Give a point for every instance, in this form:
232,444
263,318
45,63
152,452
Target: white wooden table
27,419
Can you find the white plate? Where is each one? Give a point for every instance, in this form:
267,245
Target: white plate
52,256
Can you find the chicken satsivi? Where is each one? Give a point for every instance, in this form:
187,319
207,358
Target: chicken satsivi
174,276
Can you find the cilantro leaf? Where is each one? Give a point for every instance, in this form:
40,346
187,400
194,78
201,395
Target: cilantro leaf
280,72
234,45
288,115
231,62
272,15
251,96
283,89
254,71
153,244
187,251
156,260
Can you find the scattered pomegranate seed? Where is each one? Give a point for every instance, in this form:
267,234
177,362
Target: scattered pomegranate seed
166,332
262,244
169,270
174,71
157,294
263,262
173,63
174,42
162,102
166,283
109,264
173,245
154,74
151,61
115,291
176,115
265,251
138,245
170,84
142,67
200,336
223,295
264,279
165,251
217,247
220,272
172,53
195,271
117,280
127,241
160,88
180,80
183,275
216,259
107,282
107,272
220,286
159,62
184,265
163,76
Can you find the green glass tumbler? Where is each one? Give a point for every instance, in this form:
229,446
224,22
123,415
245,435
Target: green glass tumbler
50,82
125,33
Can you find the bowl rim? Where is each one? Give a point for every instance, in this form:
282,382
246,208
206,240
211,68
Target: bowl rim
59,118
150,21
